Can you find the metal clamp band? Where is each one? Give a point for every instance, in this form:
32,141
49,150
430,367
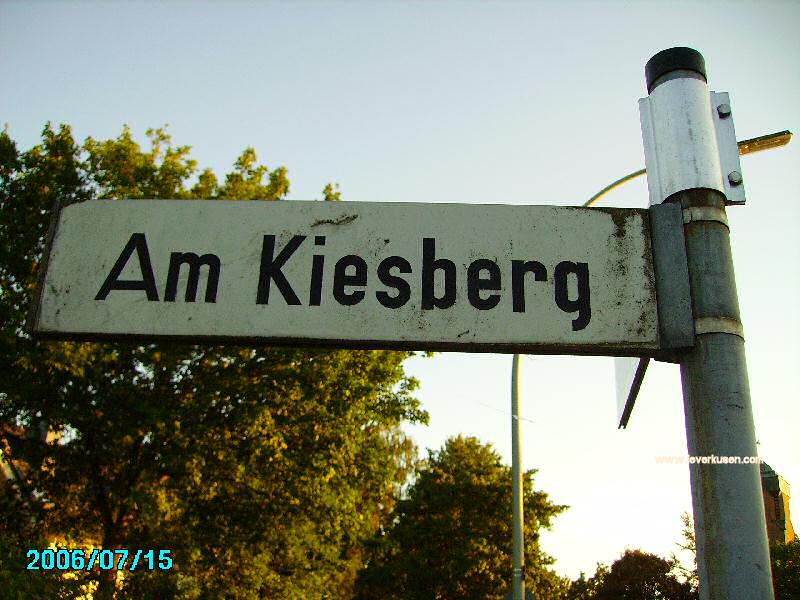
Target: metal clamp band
718,325
705,213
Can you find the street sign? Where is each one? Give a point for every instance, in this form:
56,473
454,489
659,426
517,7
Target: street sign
529,279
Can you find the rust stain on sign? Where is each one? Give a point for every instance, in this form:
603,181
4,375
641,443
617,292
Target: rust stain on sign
340,221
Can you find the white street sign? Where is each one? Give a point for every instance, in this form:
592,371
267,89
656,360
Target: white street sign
528,279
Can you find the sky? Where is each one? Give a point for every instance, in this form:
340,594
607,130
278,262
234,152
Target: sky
468,102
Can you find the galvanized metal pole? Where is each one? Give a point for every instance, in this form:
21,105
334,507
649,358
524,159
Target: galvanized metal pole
518,558
730,529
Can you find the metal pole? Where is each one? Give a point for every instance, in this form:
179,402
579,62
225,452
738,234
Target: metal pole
517,573
730,529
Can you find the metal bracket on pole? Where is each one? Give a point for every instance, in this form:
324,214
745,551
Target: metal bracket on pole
728,148
671,270
683,148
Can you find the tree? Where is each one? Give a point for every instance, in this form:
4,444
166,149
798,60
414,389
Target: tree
786,569
451,536
639,575
688,545
263,469
586,589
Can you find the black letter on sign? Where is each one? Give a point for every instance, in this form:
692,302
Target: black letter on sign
176,259
518,270
271,270
431,264
398,283
341,279
317,263
475,283
581,303
147,283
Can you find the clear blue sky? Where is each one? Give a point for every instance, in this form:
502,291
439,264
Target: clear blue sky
506,102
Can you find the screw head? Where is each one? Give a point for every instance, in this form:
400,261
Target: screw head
735,178
724,111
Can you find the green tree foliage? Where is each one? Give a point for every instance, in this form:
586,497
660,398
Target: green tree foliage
636,575
689,546
451,537
331,193
586,589
786,569
264,469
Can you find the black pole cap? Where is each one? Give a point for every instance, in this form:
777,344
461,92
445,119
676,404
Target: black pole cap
673,59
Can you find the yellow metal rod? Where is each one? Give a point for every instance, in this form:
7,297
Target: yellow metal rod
764,142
